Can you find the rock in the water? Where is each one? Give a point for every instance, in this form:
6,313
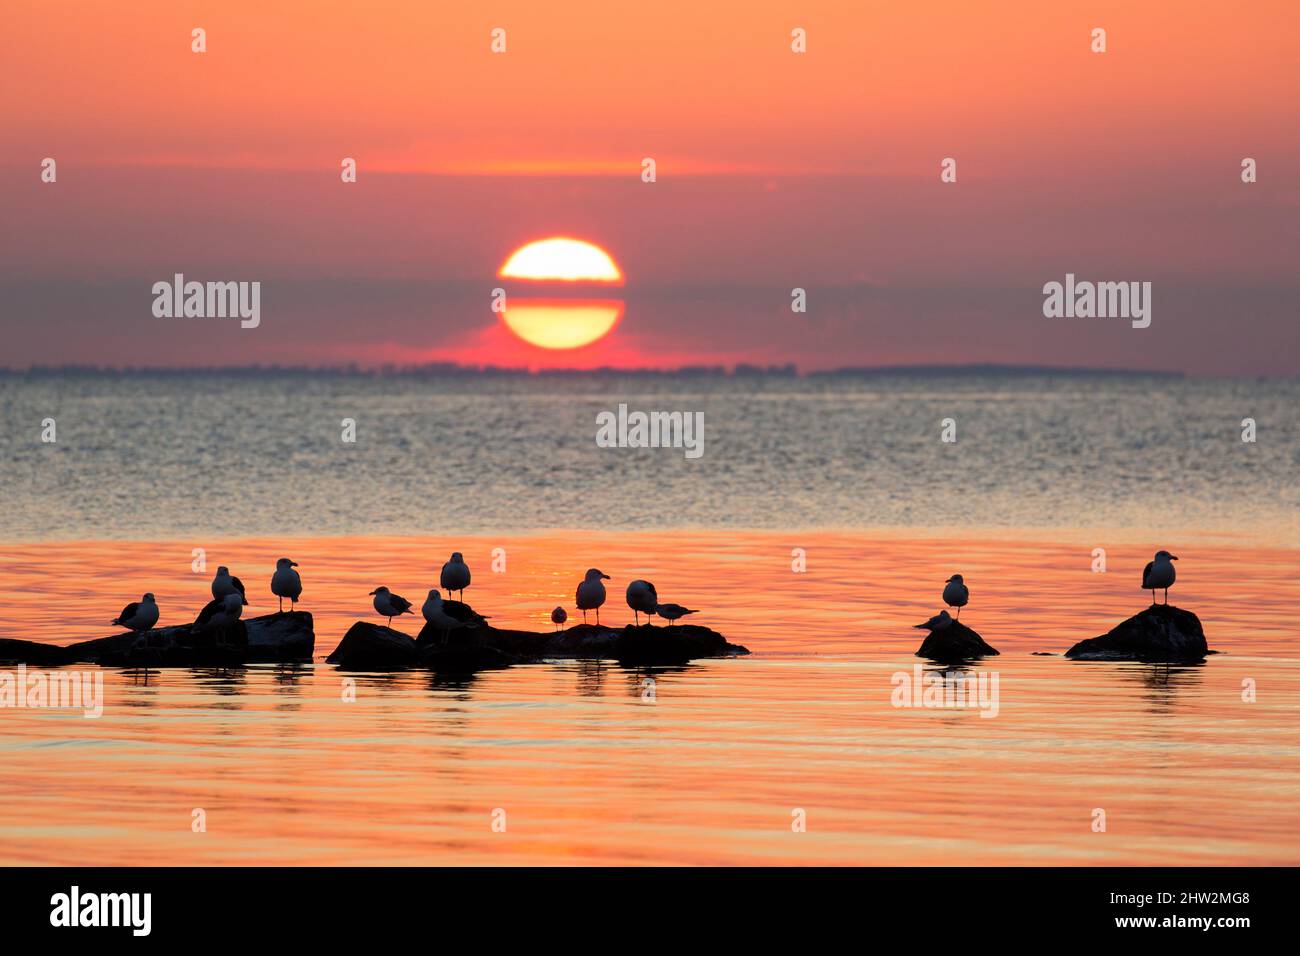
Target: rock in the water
465,649
953,643
270,638
1161,633
648,645
584,641
373,647
464,657
92,652
277,638
13,651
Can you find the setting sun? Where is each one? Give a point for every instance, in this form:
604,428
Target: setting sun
561,321
568,260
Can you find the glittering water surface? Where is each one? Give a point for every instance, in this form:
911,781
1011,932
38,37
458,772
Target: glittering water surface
587,769
149,456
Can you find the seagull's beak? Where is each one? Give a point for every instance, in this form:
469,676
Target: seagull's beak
376,591
605,577
1173,557
293,564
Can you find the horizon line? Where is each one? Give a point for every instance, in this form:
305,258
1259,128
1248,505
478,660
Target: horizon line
739,369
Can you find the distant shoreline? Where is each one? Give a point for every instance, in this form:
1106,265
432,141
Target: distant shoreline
741,371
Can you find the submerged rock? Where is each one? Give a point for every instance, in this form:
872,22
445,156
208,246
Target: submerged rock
271,638
954,642
1161,633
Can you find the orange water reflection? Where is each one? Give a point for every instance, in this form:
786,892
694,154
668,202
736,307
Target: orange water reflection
587,771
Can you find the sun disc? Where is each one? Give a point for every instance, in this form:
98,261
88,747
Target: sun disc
564,259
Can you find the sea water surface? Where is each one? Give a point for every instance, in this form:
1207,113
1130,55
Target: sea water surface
710,763
161,455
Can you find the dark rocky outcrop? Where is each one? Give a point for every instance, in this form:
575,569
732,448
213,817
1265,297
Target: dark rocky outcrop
650,645
465,656
478,646
1161,633
13,651
272,638
373,647
281,638
954,643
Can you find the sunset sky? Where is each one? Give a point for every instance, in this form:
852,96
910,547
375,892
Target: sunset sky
775,170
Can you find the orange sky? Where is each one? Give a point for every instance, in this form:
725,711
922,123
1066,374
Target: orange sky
821,171
586,84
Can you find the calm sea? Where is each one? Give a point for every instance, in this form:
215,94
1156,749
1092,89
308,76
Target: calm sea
147,456
818,527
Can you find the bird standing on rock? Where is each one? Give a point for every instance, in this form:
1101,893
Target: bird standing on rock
455,575
558,617
285,583
673,612
437,616
139,616
390,605
642,599
1159,573
591,593
955,594
225,583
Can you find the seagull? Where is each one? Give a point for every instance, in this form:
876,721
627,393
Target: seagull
222,612
455,575
936,623
560,615
224,584
285,583
591,593
955,594
1159,573
673,612
641,597
139,616
435,615
390,605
